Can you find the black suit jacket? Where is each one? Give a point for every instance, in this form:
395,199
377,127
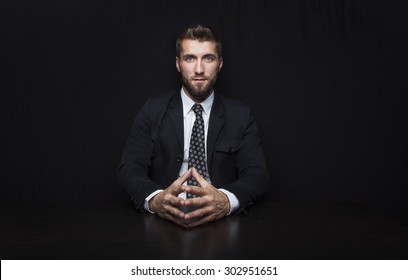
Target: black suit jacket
153,154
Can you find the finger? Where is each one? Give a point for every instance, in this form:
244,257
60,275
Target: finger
193,222
170,211
196,219
199,222
174,201
197,214
198,177
177,184
180,180
196,190
176,220
184,177
176,213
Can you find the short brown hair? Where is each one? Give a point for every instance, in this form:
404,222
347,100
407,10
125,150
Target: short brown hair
200,33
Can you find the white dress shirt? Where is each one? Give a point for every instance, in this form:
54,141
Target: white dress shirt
189,118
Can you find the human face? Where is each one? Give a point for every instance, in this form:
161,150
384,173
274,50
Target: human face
199,65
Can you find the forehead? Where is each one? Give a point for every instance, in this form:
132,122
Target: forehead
194,47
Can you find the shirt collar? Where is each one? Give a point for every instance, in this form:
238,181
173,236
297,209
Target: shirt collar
188,103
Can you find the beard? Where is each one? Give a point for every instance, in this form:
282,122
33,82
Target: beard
199,93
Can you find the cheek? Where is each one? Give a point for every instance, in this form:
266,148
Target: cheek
213,71
186,71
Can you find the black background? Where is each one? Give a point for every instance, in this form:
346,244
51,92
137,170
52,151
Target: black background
326,80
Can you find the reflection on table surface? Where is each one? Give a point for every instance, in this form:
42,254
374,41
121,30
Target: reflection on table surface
270,230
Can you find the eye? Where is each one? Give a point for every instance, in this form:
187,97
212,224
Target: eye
189,58
209,58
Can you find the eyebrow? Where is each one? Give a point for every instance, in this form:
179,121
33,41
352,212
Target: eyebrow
210,55
205,55
188,55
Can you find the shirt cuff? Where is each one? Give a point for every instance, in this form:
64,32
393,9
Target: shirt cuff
146,204
233,200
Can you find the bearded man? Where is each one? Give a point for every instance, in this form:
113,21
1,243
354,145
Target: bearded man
193,156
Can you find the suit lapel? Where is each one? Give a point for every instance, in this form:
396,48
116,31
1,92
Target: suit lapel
216,123
176,116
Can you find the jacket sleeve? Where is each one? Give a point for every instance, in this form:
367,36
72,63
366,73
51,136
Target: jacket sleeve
252,179
135,162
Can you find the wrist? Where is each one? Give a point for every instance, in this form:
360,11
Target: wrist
226,202
149,206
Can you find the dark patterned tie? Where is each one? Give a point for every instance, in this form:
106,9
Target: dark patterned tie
196,157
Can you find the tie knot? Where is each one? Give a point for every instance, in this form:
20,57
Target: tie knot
198,109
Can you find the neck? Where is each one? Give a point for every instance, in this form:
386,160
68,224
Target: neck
198,98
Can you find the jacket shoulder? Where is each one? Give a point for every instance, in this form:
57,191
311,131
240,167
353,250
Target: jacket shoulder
162,99
233,106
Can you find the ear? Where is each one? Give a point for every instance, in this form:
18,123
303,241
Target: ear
178,63
221,64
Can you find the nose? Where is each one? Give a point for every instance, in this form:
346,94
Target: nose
199,68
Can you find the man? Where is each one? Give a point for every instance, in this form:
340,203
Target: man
193,156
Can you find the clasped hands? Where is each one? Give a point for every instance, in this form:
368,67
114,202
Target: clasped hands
210,203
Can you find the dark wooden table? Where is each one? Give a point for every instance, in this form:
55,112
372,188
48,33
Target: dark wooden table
270,230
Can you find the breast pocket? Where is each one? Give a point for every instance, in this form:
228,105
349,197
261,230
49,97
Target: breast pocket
224,163
228,147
